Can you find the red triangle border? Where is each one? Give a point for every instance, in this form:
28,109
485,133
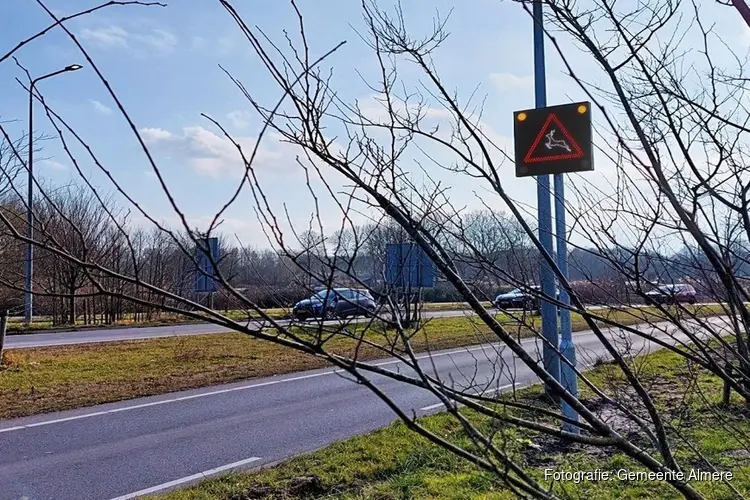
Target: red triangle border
575,155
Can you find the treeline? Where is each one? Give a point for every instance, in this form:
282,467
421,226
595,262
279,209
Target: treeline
491,251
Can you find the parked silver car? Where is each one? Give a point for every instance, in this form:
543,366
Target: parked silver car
519,299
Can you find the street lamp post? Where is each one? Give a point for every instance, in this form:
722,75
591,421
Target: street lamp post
29,303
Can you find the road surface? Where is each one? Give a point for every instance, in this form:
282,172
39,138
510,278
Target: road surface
133,448
21,341
27,340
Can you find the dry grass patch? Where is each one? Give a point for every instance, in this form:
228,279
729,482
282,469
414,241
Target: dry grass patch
63,377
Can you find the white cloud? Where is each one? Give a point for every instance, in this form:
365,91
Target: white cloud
153,40
161,40
54,165
111,36
216,156
150,134
239,118
510,82
198,43
373,108
101,108
441,162
214,46
224,45
745,38
245,228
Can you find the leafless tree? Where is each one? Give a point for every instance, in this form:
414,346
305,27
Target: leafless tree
652,121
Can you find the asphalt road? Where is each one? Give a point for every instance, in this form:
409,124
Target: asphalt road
124,450
115,334
27,340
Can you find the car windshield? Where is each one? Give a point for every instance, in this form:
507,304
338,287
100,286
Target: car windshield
515,291
321,295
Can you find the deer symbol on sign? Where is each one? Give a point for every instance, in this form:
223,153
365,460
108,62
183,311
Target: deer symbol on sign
555,143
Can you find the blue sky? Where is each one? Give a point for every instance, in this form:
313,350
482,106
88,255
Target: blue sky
163,64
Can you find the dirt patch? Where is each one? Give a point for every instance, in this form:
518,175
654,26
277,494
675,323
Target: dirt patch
548,451
296,487
741,455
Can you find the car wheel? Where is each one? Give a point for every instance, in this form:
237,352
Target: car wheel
528,305
329,314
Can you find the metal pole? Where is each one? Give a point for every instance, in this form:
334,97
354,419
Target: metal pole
3,329
569,379
544,210
29,304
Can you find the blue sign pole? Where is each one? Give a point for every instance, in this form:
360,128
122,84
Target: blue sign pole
544,210
569,379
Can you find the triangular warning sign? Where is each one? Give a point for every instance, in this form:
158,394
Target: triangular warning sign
553,143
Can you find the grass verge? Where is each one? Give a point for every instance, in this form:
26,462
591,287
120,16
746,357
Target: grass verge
63,377
395,463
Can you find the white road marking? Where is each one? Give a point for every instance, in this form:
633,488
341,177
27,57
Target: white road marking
186,479
440,354
11,429
164,401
